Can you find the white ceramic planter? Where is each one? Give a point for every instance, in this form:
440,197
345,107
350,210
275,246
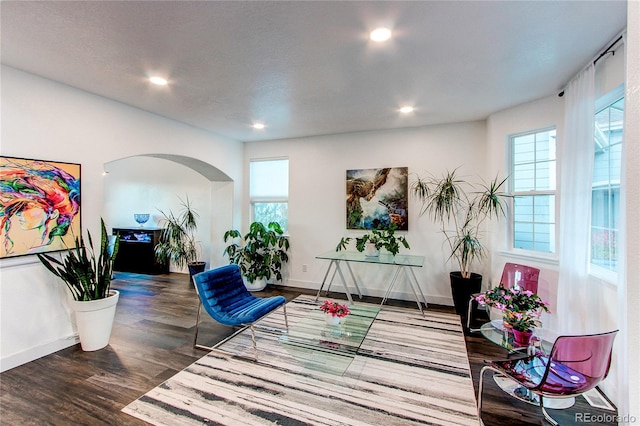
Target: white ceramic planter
331,320
371,250
256,285
94,320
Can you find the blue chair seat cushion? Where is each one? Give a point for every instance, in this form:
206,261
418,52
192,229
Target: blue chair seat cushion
227,300
248,310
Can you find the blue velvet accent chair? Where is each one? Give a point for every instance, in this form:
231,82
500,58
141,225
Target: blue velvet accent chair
226,299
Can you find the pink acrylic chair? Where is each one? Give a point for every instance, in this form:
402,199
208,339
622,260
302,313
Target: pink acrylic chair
576,365
513,275
525,277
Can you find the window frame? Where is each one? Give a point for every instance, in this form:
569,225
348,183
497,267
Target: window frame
550,257
603,102
253,200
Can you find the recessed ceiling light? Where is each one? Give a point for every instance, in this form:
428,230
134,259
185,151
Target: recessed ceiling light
406,109
380,34
158,81
258,126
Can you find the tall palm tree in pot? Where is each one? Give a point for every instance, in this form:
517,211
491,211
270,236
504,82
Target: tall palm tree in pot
178,242
461,210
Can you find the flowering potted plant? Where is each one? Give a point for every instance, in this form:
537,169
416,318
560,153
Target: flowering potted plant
334,311
512,299
522,324
521,309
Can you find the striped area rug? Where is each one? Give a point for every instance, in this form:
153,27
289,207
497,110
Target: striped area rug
410,370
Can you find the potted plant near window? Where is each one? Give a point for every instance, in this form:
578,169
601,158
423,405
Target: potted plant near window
261,254
178,242
88,279
461,209
371,242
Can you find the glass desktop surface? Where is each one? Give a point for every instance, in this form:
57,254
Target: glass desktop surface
495,334
329,348
383,258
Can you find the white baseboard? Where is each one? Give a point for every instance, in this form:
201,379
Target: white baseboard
34,353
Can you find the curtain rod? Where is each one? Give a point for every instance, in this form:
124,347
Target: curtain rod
603,54
608,50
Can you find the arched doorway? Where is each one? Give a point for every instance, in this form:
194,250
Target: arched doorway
152,183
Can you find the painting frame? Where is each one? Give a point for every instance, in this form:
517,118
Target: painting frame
40,206
377,198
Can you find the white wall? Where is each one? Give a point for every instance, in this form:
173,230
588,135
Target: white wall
630,296
150,185
317,195
42,119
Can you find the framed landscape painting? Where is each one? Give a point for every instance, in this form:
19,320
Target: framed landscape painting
377,198
39,206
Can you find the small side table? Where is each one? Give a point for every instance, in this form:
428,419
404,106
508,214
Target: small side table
494,333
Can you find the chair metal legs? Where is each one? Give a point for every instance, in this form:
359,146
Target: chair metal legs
253,341
484,369
469,312
240,330
546,415
480,385
195,337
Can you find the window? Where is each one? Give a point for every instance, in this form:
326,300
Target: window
533,185
605,195
269,191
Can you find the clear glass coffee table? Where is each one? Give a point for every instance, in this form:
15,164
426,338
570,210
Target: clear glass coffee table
329,348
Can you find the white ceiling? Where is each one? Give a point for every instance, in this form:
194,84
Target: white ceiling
307,68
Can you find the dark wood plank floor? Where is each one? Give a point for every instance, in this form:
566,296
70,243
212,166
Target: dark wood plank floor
152,340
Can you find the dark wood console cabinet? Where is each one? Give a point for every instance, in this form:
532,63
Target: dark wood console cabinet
135,252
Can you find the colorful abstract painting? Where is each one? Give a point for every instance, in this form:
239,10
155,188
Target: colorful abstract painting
376,198
39,206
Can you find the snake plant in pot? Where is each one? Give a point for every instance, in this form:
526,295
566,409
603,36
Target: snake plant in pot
88,279
260,253
461,209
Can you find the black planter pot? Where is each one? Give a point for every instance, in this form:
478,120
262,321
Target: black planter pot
462,289
195,268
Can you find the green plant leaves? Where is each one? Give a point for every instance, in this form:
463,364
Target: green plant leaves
446,201
381,238
178,240
86,277
263,252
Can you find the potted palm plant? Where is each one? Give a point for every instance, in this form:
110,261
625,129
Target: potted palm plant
88,279
260,253
461,209
178,242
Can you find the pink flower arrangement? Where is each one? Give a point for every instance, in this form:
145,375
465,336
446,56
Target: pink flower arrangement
523,321
512,299
334,308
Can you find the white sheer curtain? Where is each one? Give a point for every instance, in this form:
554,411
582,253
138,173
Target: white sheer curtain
576,166
621,348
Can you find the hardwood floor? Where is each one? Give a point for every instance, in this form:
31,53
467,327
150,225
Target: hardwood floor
152,340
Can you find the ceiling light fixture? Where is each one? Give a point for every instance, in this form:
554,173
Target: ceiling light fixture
258,126
159,81
380,34
406,109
